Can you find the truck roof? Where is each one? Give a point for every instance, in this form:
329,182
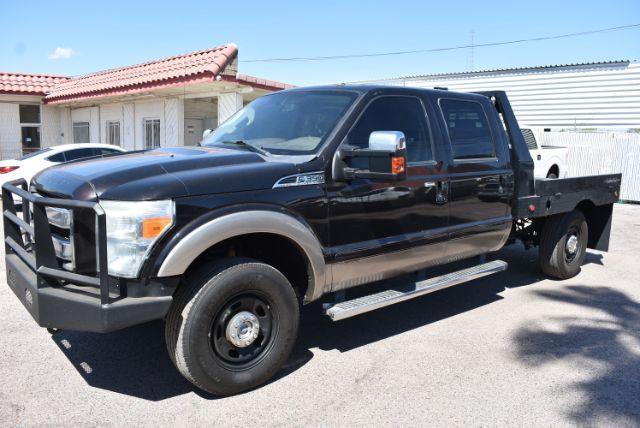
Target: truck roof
365,88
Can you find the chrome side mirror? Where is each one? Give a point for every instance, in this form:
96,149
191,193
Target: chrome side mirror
386,155
387,141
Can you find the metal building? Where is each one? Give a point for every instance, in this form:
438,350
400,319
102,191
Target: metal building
587,95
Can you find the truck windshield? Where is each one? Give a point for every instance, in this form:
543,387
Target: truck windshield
284,123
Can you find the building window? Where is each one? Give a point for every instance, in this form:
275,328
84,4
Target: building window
29,114
151,133
80,132
30,127
113,133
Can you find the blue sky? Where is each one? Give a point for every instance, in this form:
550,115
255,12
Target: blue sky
103,35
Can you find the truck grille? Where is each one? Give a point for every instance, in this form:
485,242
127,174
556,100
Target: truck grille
59,252
60,223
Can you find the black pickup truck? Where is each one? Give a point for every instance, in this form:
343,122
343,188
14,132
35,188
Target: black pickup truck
301,195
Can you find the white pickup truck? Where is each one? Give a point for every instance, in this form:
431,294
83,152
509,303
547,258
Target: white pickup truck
549,161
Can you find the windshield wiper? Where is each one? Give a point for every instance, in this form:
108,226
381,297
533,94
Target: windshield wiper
242,143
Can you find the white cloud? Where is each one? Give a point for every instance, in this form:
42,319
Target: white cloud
62,53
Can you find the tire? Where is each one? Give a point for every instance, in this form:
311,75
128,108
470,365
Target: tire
199,328
556,259
552,175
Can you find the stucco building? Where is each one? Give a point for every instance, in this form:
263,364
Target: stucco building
168,102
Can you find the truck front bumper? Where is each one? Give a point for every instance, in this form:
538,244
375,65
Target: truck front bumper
81,299
70,307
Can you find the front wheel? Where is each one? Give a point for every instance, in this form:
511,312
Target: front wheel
563,244
231,328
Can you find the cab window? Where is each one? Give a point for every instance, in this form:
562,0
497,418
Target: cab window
468,129
395,113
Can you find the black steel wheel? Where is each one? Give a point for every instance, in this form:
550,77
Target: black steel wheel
242,330
563,244
232,327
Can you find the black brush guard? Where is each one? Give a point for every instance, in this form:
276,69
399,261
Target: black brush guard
58,298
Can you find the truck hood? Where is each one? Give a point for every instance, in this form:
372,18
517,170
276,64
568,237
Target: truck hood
162,174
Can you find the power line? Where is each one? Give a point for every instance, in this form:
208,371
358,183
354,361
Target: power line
450,48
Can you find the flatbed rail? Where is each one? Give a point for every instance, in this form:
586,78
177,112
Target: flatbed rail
556,196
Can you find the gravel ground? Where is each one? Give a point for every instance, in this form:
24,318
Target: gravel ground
513,349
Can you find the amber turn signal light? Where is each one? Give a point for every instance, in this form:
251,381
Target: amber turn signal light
153,227
397,165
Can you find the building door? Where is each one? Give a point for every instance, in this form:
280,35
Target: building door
30,124
193,129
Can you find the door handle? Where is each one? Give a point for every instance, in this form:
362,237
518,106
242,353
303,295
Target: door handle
442,188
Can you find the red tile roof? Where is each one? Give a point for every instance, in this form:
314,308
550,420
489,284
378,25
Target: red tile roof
28,83
180,70
200,66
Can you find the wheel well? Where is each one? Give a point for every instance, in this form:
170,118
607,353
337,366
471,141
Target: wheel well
274,250
555,169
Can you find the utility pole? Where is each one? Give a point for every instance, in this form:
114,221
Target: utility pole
472,35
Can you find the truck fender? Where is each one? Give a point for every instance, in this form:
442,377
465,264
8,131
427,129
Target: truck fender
205,236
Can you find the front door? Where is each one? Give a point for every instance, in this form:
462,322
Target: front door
193,129
381,229
480,176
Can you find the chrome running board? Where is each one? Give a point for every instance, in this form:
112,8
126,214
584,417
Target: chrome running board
350,308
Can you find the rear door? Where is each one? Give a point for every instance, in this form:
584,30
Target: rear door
481,180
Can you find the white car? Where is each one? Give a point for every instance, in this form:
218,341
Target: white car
548,161
29,165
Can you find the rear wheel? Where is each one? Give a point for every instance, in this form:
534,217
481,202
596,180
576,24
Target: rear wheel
232,327
563,245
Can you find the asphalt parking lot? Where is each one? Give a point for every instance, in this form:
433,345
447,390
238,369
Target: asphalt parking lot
512,349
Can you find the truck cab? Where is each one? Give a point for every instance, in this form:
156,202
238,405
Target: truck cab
300,196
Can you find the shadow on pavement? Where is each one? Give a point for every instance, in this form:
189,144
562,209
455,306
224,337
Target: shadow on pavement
609,342
135,362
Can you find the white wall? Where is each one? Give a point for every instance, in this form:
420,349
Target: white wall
129,128
10,132
602,153
148,110
51,126
65,126
87,114
110,112
131,116
228,104
600,95
174,122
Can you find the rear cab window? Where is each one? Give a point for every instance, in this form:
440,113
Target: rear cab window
469,130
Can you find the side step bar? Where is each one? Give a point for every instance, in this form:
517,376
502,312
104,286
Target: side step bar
350,308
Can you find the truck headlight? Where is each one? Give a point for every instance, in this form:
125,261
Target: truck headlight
132,229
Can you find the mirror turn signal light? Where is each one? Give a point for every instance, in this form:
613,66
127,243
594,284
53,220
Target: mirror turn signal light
397,164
